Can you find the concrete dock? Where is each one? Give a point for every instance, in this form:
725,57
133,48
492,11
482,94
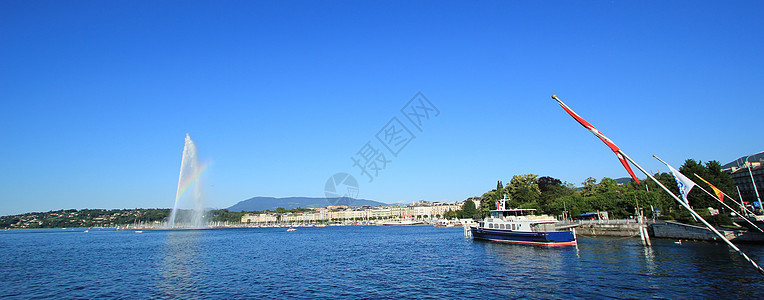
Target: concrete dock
663,229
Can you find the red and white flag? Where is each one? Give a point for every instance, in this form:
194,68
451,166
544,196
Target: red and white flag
599,134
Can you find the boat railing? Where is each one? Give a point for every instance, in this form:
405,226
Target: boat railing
618,221
537,217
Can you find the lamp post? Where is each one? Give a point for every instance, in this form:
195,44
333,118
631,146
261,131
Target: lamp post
755,190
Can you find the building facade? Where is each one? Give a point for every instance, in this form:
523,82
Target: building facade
741,171
422,210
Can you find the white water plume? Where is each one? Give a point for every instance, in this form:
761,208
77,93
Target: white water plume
188,211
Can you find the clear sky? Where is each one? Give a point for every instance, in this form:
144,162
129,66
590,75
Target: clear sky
96,97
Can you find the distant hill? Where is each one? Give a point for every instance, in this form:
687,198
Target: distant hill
271,203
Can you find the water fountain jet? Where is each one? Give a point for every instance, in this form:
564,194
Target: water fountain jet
189,179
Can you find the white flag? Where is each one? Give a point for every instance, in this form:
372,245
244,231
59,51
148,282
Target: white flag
684,183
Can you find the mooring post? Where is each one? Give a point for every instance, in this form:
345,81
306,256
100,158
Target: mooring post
643,230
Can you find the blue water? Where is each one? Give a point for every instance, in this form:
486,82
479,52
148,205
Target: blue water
360,262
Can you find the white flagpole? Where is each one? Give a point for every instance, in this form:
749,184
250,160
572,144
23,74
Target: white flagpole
741,199
728,196
693,213
686,206
730,208
712,196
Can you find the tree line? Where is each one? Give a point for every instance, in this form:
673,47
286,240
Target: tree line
551,196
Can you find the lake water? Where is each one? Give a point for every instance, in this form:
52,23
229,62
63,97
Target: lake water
360,262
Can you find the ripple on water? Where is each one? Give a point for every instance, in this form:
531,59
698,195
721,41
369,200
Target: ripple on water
360,262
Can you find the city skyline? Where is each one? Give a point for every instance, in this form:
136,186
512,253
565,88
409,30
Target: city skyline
279,97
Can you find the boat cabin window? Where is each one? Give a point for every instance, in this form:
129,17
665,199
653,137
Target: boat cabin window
512,212
543,227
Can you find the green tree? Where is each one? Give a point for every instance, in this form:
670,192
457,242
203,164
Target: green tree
488,202
470,211
699,199
589,185
523,189
551,189
606,185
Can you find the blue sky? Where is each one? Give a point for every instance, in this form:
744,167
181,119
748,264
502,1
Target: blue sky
278,95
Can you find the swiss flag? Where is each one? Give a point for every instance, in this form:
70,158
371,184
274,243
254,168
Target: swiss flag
599,134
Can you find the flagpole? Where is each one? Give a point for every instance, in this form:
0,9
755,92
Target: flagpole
728,196
741,199
730,208
755,190
687,206
622,155
712,196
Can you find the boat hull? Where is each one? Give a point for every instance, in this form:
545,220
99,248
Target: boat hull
552,238
403,223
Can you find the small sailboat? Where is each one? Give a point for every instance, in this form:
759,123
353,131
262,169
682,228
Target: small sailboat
291,229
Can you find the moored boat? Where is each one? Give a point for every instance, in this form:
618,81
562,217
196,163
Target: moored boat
522,226
401,222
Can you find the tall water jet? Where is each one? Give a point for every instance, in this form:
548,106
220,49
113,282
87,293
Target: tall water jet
189,179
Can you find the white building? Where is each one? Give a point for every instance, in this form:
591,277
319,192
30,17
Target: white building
420,209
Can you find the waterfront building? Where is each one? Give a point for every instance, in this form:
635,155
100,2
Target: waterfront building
738,169
382,212
419,209
259,218
439,210
422,211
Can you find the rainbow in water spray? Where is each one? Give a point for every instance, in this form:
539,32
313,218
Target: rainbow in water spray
189,182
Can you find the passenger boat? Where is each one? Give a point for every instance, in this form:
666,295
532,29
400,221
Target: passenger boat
521,226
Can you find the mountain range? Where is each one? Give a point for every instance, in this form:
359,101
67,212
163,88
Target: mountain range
271,203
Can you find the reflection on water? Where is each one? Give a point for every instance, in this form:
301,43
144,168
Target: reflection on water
649,260
532,271
180,265
356,262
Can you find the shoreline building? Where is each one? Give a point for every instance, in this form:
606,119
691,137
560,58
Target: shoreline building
739,171
419,210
